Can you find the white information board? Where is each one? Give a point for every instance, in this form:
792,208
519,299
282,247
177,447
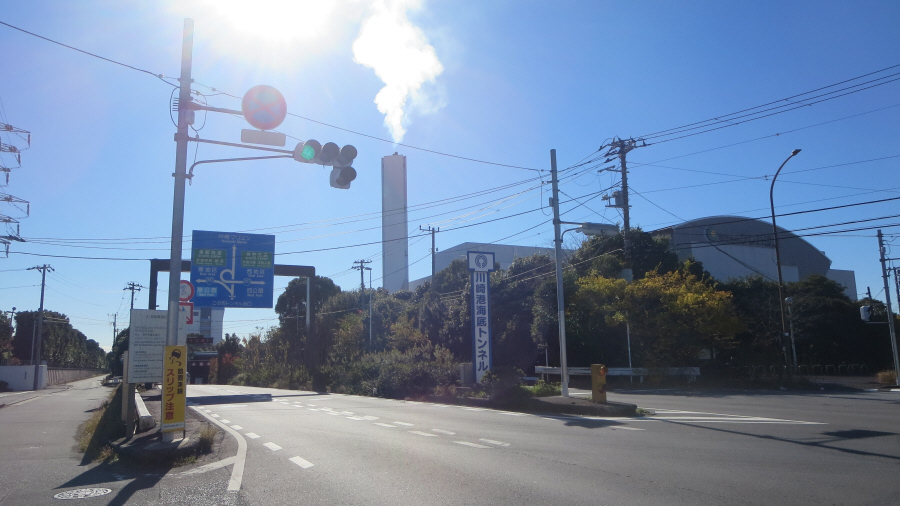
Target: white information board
146,345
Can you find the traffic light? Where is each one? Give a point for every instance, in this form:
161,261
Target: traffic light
330,154
865,312
343,173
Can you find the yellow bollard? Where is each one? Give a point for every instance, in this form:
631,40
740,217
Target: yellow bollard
598,382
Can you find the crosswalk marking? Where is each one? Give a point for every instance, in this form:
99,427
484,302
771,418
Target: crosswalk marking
493,442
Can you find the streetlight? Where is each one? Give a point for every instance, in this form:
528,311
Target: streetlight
790,304
778,253
589,229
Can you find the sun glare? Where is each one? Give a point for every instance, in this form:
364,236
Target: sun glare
277,20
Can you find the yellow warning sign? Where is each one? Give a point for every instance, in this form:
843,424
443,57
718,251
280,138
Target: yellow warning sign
173,388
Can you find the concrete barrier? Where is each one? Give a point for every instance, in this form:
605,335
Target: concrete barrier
145,419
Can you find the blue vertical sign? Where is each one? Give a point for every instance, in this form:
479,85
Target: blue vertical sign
232,270
481,264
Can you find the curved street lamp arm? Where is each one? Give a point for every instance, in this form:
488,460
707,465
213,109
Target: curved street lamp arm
190,174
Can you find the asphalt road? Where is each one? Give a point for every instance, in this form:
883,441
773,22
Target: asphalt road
736,448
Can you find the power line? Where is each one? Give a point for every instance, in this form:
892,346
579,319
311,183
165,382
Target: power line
158,76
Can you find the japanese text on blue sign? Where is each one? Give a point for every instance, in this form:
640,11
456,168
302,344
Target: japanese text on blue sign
232,270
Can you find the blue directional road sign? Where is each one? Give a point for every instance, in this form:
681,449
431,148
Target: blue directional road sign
232,270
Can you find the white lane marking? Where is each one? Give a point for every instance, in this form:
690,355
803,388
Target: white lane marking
475,409
420,433
441,405
356,418
305,464
225,421
442,431
333,413
272,446
311,405
679,416
346,412
626,428
225,406
510,413
215,416
237,427
473,445
369,417
313,409
237,471
404,424
211,467
251,435
491,441
207,410
385,425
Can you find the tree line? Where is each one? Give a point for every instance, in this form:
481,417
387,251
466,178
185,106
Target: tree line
62,345
675,312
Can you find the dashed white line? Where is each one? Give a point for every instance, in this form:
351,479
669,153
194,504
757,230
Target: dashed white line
215,416
385,425
420,433
272,446
473,445
493,442
237,427
442,431
510,413
225,421
301,462
251,435
627,428
404,424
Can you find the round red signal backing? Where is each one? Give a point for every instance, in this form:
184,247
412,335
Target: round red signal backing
264,107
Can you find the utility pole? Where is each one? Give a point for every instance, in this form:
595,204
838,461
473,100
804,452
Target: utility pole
360,265
560,306
371,293
115,327
433,249
134,287
890,313
40,324
621,148
181,149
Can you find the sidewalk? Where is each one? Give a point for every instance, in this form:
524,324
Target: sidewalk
11,398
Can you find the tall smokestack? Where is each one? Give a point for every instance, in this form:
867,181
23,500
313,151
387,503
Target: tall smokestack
394,229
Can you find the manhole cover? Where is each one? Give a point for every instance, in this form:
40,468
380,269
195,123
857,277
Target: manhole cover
82,493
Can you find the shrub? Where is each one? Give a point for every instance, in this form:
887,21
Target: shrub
887,377
543,389
207,437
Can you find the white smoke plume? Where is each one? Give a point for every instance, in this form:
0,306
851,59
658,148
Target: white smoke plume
401,57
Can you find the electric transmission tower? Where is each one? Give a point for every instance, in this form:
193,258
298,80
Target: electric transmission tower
8,221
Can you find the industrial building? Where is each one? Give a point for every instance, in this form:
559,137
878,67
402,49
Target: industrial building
734,247
504,254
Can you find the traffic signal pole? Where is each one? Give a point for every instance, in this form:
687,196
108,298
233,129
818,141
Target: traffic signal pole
181,149
561,309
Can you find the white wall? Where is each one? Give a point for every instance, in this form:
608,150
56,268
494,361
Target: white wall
21,377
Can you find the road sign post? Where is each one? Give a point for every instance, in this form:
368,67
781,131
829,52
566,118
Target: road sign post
233,270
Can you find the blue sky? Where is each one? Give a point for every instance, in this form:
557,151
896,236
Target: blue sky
512,81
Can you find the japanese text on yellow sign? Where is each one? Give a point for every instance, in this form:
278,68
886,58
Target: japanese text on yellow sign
173,388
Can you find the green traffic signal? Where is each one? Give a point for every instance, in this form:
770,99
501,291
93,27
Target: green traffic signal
308,153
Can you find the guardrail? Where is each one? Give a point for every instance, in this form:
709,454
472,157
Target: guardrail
690,372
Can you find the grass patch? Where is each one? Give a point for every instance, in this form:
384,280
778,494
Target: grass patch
103,426
107,454
207,437
543,389
643,412
185,461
